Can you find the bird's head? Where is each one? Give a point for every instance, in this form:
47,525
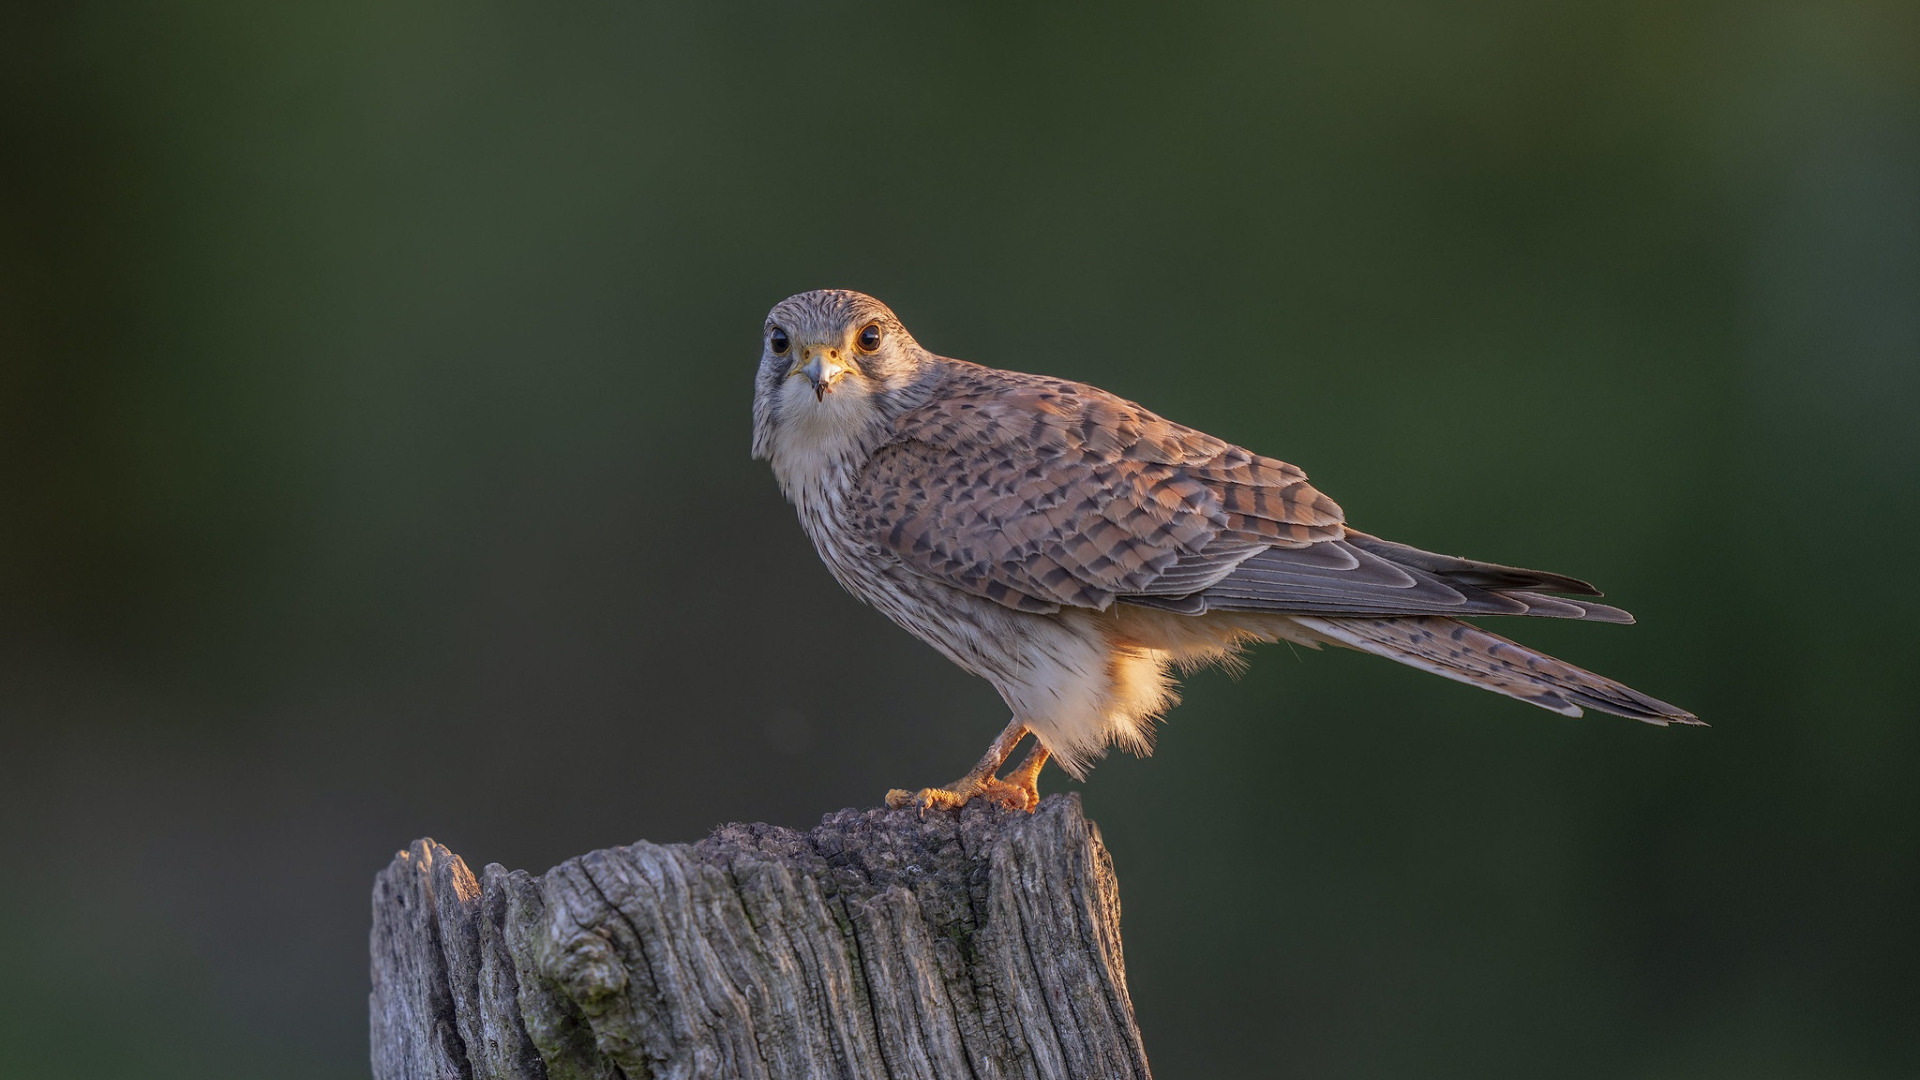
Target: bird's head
832,362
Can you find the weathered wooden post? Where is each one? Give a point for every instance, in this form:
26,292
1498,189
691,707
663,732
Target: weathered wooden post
980,944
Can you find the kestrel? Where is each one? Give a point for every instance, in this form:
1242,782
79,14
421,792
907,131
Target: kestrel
1074,549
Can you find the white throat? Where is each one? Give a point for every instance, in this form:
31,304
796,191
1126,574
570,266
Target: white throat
818,446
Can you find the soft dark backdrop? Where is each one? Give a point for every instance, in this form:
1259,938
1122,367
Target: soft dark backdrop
374,425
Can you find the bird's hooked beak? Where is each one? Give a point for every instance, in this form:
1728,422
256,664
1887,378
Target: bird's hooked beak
821,368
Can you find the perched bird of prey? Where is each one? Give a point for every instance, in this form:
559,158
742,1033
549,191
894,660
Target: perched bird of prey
1073,549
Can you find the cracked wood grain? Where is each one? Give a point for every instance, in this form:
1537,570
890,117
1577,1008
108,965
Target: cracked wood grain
983,945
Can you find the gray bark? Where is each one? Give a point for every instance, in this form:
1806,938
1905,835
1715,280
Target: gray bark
980,944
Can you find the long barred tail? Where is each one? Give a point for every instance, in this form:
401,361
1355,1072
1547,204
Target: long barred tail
1468,654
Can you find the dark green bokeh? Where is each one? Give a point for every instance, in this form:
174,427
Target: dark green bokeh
373,420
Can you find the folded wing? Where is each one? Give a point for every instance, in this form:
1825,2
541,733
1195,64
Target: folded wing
1039,494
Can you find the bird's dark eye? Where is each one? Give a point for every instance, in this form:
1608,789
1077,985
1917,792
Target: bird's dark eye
778,339
870,337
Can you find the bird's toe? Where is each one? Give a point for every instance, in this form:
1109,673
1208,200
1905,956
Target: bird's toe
927,799
1010,796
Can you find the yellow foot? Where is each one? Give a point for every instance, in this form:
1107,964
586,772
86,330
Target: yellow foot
1009,796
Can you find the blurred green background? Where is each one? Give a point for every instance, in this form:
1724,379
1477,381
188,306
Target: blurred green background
374,387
